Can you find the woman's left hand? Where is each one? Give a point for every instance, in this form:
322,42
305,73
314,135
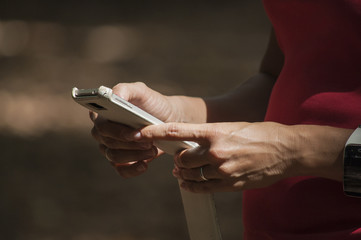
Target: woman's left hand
231,156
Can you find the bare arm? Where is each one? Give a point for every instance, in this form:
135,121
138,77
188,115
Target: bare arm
248,102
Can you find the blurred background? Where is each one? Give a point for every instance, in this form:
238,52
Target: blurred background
54,182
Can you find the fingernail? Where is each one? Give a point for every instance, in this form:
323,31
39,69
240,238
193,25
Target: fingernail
137,136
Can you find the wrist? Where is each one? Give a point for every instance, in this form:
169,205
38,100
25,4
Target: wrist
320,150
187,109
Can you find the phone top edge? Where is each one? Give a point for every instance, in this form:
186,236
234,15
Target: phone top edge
91,92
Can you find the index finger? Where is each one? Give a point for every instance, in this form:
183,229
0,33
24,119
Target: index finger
200,133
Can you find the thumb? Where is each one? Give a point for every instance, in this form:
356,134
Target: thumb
131,92
146,98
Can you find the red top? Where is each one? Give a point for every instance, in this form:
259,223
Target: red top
320,83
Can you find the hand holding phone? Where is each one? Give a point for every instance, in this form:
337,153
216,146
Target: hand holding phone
112,107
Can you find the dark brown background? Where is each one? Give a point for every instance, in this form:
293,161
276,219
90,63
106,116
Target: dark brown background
54,183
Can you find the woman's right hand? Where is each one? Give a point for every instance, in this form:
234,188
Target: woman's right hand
116,143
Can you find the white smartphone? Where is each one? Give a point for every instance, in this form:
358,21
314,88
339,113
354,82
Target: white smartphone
112,107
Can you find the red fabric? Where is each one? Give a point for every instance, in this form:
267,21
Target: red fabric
319,84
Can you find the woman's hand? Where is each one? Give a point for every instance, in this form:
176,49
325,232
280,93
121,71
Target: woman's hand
116,141
238,156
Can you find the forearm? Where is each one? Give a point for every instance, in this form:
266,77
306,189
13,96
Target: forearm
319,150
248,102
188,109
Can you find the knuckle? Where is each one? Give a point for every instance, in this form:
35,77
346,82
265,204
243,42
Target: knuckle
182,162
117,87
147,132
171,130
120,89
210,130
215,131
224,170
239,185
217,153
141,85
126,88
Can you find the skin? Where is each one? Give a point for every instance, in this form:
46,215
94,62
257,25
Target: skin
237,150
